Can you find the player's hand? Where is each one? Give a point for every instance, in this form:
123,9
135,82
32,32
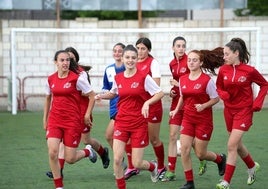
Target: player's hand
145,110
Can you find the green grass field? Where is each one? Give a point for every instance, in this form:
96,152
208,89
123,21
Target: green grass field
24,161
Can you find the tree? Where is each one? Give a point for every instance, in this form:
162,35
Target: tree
255,8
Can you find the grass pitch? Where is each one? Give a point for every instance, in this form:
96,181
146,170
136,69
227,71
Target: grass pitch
24,159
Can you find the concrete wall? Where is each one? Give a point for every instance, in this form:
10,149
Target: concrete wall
35,51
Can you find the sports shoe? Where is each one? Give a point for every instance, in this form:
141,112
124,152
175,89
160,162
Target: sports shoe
223,185
222,164
92,154
131,172
169,176
50,175
188,185
202,167
154,173
252,174
161,173
105,158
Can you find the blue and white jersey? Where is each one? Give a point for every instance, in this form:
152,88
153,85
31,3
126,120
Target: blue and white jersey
108,80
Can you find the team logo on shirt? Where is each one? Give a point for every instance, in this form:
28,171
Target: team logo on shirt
119,86
52,86
183,70
184,86
242,79
134,85
67,85
197,86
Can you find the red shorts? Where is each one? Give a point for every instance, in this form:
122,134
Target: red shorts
155,113
177,119
70,137
139,136
86,127
199,129
240,119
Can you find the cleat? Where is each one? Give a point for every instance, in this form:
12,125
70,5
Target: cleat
222,164
50,175
169,176
188,185
131,172
92,154
202,167
252,174
162,173
223,185
154,173
105,158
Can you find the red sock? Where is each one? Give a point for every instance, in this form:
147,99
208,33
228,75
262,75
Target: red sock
152,167
218,159
121,183
159,152
58,182
229,171
189,175
129,156
172,163
249,161
100,150
86,152
61,161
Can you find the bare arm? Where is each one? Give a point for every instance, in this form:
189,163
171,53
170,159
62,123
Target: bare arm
46,111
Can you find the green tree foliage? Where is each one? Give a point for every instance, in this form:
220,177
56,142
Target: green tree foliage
107,15
255,8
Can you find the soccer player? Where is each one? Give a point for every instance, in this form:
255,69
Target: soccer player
149,65
62,117
234,85
103,152
197,96
178,68
108,79
132,87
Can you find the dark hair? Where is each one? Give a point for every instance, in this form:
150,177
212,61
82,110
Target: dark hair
119,44
74,66
74,51
211,59
238,44
57,54
177,39
146,42
130,48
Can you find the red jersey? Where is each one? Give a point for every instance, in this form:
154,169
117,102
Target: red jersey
145,67
237,82
65,107
194,92
178,68
132,94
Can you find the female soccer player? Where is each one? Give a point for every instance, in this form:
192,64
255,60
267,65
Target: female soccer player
62,118
234,85
108,79
148,65
197,96
132,87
